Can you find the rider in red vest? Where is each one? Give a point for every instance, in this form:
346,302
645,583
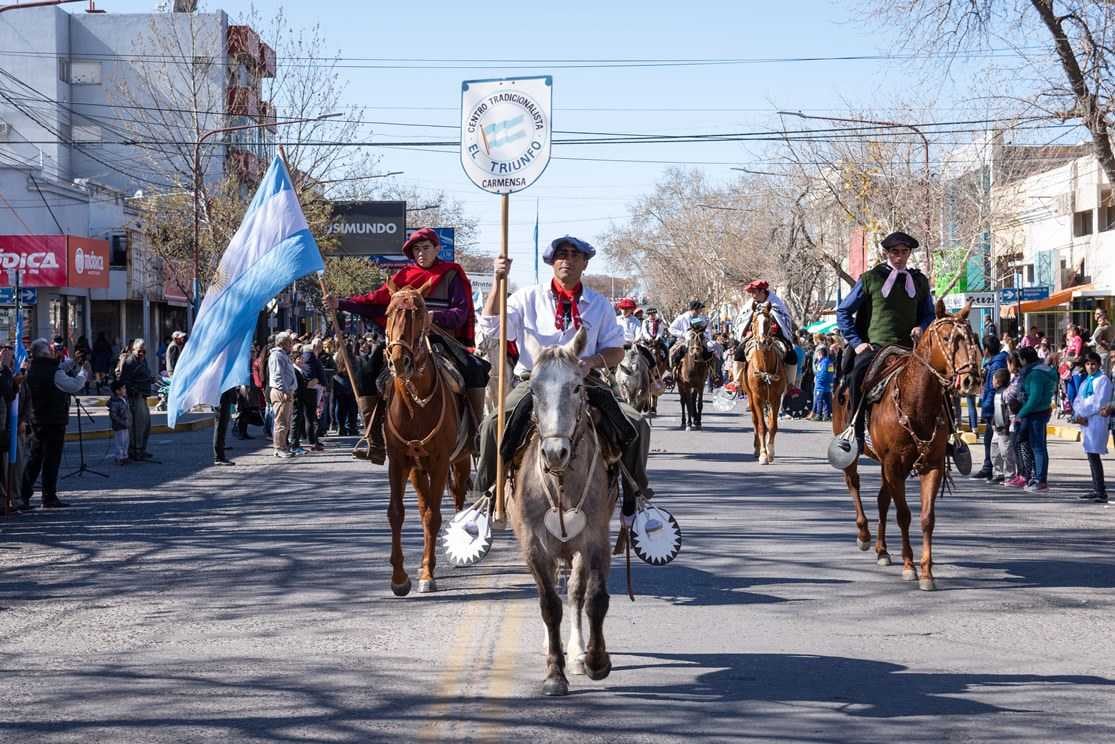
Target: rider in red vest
448,294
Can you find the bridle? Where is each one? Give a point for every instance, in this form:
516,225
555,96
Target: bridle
948,345
574,435
761,318
417,350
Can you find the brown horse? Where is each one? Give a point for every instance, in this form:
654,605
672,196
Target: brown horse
910,427
692,373
764,379
424,436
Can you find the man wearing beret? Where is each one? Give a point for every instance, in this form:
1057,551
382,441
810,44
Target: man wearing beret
890,305
759,292
551,313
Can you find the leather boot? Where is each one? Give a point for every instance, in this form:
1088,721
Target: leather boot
371,446
475,398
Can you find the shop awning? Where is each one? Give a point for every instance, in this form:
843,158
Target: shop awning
825,325
1051,302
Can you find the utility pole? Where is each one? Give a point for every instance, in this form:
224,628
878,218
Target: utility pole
928,187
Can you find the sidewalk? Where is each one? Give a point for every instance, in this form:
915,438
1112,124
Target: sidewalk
101,428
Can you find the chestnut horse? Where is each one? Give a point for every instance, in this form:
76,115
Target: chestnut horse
764,379
692,373
910,427
422,428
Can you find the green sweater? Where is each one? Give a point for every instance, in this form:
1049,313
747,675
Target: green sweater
889,320
1040,382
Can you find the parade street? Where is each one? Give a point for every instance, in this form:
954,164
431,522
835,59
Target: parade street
178,603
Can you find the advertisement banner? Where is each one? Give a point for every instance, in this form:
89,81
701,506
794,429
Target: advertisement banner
40,259
88,262
505,131
368,228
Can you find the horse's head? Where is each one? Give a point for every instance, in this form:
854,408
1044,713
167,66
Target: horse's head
407,326
557,385
952,349
761,321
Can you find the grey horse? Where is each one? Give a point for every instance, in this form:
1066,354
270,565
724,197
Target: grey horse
561,509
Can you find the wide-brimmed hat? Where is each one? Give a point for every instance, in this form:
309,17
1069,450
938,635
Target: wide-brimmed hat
576,243
896,239
422,233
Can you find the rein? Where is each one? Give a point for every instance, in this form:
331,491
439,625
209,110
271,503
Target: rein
421,354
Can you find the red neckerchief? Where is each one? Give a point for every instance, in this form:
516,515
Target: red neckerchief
654,328
562,298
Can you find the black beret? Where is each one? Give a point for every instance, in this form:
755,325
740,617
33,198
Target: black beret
899,238
696,305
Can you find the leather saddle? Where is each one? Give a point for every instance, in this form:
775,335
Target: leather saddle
888,362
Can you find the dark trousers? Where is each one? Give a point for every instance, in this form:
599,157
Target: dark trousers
46,456
220,426
860,363
346,412
1095,462
305,418
988,437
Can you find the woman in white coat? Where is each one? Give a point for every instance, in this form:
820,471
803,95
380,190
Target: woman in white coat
1088,409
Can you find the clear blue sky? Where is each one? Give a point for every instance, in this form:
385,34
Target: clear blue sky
579,197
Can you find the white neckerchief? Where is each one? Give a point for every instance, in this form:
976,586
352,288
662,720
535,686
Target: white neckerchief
888,285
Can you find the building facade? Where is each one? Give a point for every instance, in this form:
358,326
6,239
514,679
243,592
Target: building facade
96,110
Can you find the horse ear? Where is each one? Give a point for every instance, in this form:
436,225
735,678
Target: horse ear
963,314
577,344
941,312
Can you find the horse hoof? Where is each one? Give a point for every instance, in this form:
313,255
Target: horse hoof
927,585
577,666
401,590
599,670
425,586
555,687
909,574
863,544
883,559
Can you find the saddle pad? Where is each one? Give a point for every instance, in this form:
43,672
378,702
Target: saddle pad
886,364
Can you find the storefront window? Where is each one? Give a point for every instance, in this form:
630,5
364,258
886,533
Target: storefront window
57,317
75,321
7,323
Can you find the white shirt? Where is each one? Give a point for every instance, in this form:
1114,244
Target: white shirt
630,327
680,327
531,311
645,333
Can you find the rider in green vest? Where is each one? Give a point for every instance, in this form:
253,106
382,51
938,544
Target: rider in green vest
890,305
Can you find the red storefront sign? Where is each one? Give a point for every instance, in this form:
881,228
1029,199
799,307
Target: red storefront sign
40,259
88,262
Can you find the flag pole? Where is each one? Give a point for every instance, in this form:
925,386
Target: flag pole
342,347
499,516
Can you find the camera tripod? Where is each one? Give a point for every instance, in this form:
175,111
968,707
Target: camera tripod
82,468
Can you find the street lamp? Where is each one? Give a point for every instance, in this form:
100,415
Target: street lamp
925,142
196,283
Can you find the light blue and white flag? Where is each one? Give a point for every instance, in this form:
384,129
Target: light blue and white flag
272,248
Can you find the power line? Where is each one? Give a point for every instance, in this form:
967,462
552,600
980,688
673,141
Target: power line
433,63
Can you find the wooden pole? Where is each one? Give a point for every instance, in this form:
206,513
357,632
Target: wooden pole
339,334
499,516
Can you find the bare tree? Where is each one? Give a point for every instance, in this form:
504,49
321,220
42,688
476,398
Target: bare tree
1076,84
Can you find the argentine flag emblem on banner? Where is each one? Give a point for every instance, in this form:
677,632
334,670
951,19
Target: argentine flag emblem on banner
272,248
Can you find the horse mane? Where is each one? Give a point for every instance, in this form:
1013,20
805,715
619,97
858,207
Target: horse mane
555,354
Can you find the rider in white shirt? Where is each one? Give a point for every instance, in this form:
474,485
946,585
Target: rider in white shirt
680,328
551,314
627,320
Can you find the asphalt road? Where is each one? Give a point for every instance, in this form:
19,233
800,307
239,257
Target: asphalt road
181,602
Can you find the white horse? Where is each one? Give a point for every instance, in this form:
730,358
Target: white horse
633,380
561,510
487,347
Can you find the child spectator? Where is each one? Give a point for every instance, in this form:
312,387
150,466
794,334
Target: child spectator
1014,396
121,416
1003,462
1088,411
823,373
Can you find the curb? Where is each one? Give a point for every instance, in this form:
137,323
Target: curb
196,425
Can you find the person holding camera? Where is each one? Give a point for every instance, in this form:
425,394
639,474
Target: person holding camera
50,388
